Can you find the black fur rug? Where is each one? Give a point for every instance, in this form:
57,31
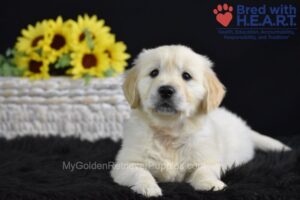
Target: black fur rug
32,168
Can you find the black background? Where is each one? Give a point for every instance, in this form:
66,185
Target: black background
262,77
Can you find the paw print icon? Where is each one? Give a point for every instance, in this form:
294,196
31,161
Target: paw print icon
223,14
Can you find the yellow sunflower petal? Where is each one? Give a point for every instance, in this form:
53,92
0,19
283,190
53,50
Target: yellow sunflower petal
32,38
59,38
92,62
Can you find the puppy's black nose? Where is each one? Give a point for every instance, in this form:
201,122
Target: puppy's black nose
166,91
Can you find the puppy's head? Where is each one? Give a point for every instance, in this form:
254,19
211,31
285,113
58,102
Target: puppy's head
173,81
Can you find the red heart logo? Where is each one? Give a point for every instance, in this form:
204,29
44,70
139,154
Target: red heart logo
224,19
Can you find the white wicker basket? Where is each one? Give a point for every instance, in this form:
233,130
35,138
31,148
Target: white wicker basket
62,106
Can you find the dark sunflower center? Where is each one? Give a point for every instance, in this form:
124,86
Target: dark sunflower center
89,61
36,40
35,66
58,42
81,37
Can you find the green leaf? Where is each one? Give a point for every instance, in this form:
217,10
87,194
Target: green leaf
87,78
20,53
89,39
39,51
110,72
2,59
9,52
17,71
7,65
6,69
63,61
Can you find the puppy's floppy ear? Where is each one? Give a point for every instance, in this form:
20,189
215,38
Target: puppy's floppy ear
130,88
215,92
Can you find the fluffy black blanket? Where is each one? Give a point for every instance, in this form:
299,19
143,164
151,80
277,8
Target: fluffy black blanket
36,168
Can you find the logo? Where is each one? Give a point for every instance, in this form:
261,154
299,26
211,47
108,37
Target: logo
223,14
258,22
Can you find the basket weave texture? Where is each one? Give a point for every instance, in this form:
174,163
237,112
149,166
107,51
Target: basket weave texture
62,106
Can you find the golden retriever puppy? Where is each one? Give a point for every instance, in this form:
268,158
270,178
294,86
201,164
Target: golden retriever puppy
176,131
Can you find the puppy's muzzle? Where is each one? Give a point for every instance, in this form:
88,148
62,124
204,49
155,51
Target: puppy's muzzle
165,103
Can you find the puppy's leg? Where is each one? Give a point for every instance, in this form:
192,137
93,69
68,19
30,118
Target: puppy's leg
137,178
207,177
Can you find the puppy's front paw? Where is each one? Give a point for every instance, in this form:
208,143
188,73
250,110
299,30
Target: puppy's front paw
147,188
209,184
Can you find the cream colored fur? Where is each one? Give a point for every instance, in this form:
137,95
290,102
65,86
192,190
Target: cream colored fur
194,142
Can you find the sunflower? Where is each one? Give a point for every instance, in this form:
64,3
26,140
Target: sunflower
58,37
84,48
33,38
89,62
118,56
89,32
35,67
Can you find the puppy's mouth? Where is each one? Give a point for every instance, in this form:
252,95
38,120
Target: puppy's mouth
165,107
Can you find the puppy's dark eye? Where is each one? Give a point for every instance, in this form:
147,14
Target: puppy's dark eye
154,73
186,76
